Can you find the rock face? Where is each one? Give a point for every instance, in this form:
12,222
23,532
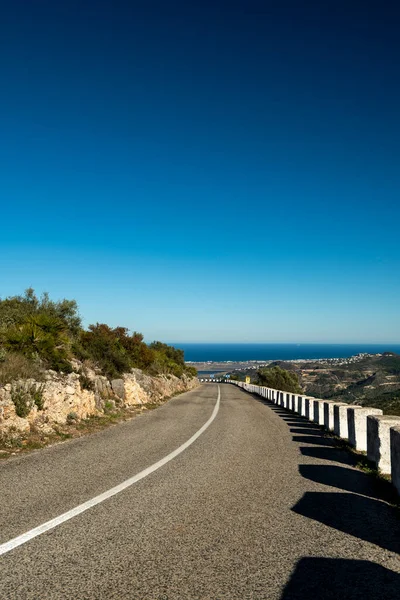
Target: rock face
62,397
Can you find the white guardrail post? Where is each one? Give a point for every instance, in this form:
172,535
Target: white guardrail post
379,442
366,428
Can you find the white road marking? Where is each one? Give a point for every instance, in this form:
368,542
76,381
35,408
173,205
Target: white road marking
29,535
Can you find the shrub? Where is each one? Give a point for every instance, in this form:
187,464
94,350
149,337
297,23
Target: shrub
40,335
72,417
39,328
279,379
109,407
16,309
47,333
190,371
24,395
85,382
169,361
105,348
37,396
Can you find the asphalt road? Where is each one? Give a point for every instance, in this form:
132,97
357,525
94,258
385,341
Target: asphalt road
261,506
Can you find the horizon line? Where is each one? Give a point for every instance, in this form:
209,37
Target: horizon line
291,343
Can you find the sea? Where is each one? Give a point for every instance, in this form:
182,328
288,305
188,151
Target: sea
216,352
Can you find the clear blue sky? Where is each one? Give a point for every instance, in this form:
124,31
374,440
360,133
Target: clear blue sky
205,171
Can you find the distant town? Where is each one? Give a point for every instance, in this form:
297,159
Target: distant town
227,366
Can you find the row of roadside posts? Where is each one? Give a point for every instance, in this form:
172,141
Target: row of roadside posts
367,429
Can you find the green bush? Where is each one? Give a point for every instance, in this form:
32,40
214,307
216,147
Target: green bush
24,395
41,336
44,334
37,396
72,417
190,371
39,328
104,347
279,379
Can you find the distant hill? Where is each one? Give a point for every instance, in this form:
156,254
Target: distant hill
369,381
366,380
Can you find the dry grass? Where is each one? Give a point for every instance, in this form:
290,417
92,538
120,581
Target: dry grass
17,366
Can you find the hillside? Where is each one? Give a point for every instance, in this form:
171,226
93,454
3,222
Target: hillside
53,371
367,380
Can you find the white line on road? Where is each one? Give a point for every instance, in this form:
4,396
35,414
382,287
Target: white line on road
29,535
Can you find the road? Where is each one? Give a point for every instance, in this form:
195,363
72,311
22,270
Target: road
262,505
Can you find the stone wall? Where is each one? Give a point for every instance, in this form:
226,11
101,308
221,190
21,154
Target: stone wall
80,395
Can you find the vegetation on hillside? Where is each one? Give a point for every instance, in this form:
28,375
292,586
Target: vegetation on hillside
369,381
39,333
278,379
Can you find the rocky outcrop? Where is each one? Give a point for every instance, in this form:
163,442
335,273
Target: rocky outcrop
78,395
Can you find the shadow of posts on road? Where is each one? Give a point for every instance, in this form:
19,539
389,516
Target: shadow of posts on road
364,518
331,454
350,480
361,511
341,579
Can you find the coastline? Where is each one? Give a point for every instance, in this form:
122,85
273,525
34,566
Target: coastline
226,354
227,366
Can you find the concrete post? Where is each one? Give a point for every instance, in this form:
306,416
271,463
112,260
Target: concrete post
303,406
299,404
357,423
340,426
318,411
307,408
314,411
395,456
328,414
378,440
